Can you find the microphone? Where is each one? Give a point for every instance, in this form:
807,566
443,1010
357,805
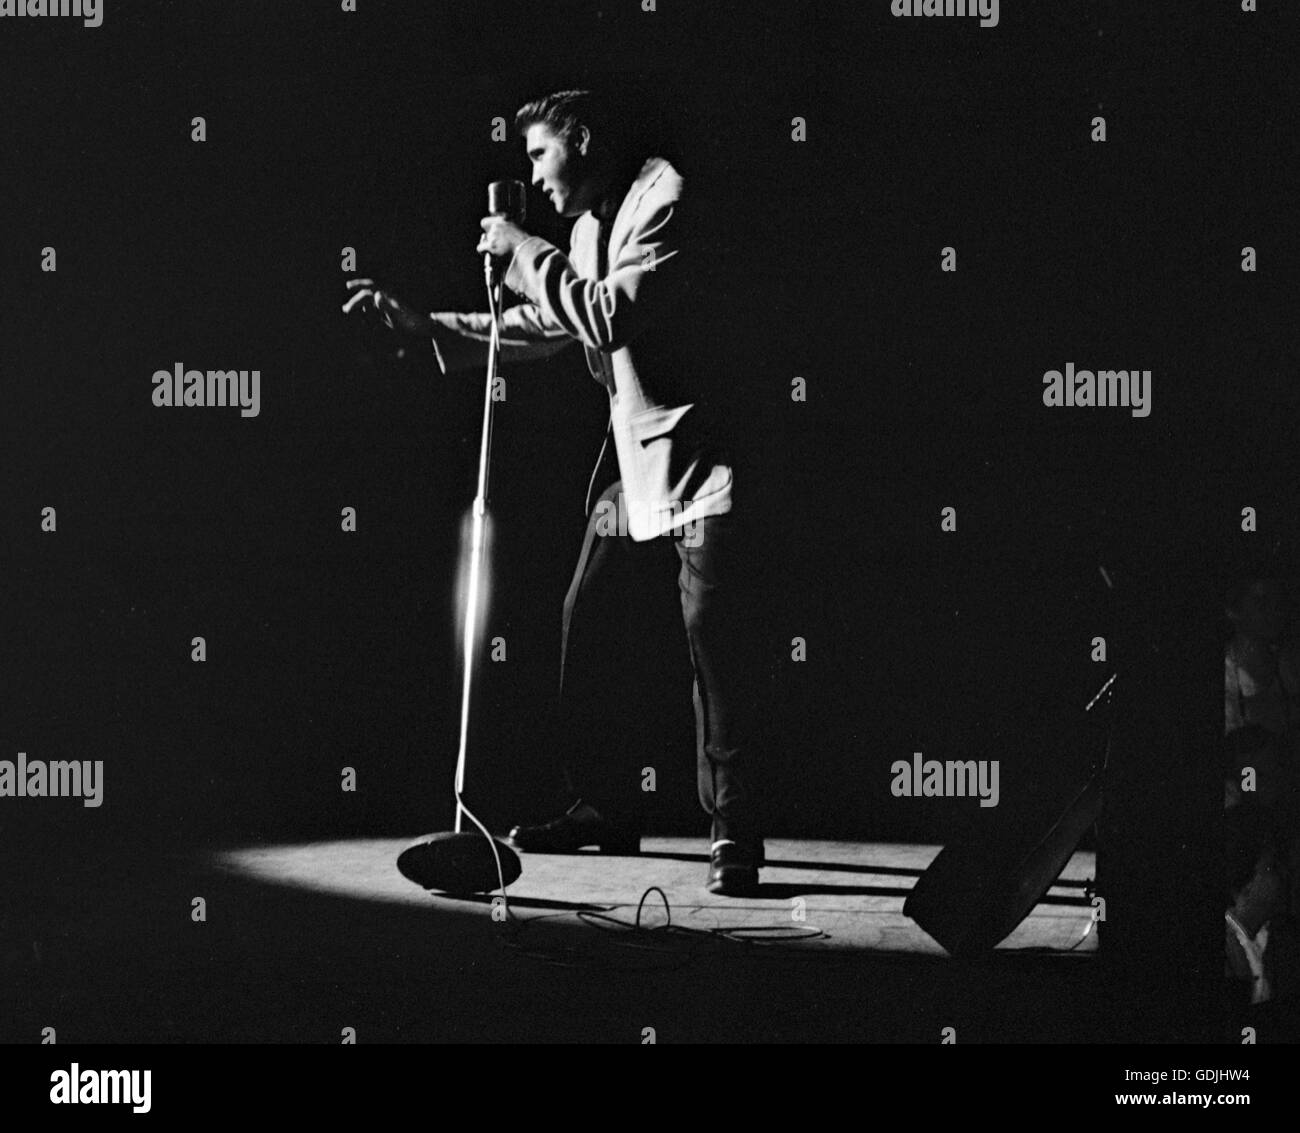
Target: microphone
506,199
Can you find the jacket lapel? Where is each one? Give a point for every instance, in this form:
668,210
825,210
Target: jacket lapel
650,173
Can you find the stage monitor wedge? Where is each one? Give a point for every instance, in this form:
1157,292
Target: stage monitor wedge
975,893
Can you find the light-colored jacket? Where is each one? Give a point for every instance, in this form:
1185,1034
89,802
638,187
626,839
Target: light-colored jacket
630,314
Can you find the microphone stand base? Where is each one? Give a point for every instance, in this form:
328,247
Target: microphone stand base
458,864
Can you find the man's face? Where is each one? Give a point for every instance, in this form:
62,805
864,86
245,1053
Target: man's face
559,168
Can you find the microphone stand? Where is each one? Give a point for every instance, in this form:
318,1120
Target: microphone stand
456,862
492,277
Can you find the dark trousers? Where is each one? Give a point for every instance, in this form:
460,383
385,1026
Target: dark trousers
625,664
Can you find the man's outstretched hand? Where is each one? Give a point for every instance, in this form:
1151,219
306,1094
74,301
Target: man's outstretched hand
368,295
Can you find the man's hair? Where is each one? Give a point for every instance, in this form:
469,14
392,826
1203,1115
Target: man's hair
565,111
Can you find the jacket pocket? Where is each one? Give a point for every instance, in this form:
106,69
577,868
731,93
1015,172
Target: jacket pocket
653,424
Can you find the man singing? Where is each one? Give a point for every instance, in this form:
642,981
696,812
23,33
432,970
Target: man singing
661,501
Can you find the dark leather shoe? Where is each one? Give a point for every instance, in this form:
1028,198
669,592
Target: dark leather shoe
733,869
580,826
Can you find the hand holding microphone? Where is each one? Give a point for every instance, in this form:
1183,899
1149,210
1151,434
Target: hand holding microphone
500,237
501,231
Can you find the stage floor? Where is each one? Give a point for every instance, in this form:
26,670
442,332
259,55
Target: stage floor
294,943
818,895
